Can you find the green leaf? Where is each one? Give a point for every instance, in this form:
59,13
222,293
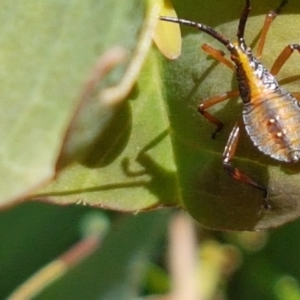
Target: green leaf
157,150
47,51
111,175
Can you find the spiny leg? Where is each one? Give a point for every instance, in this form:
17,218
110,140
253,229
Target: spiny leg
262,39
296,95
212,101
268,21
283,57
218,55
228,154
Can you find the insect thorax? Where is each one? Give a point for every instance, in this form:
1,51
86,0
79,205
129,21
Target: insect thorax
253,78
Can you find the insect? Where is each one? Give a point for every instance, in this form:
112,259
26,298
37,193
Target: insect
271,115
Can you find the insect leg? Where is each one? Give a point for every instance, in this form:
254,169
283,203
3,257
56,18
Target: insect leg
212,101
268,21
262,39
228,154
296,95
283,57
217,55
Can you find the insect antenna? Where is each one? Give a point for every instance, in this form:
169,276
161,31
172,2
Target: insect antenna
202,27
245,14
243,21
281,5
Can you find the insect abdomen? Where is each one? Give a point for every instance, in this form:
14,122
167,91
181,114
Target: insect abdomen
271,120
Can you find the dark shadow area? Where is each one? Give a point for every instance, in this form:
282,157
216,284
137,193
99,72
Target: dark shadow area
112,141
162,183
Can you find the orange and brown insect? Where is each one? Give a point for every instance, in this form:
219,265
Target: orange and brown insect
271,115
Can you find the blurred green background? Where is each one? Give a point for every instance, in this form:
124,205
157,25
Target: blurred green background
131,263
